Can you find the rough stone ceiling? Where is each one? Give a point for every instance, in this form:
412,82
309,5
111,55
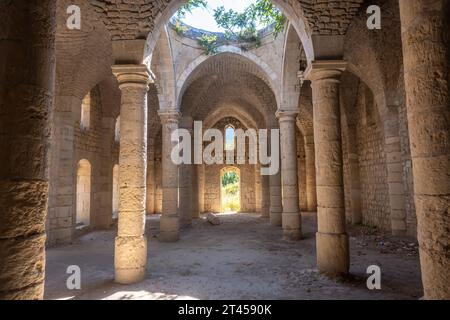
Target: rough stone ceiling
228,79
208,93
127,19
226,65
83,57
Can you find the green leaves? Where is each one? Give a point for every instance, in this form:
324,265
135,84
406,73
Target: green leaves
238,26
209,43
243,25
189,6
229,177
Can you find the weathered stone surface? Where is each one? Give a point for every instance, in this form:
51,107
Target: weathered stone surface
213,219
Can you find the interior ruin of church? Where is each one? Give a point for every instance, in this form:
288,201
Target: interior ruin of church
88,182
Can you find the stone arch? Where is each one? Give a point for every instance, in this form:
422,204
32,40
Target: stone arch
164,71
83,57
83,195
291,9
290,92
269,75
250,61
224,111
376,58
241,84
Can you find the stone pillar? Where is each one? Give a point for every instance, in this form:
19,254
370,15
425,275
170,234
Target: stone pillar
27,68
301,172
201,187
332,239
310,158
265,197
170,224
151,176
276,208
186,177
195,195
425,26
291,218
131,244
258,189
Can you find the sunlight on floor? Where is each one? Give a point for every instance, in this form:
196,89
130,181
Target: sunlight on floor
145,295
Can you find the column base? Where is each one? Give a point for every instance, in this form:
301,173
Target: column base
292,235
333,256
292,225
130,259
275,219
169,229
185,223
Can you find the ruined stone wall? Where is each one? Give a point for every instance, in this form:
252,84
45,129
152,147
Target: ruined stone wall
133,19
301,165
158,174
86,144
364,151
375,57
373,172
411,219
346,166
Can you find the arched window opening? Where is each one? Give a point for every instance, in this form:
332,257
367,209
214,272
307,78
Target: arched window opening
83,205
117,130
229,138
230,185
115,197
85,120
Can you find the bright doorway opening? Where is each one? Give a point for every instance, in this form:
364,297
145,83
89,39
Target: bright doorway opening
230,189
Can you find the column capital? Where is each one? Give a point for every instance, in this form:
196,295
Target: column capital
169,115
133,75
325,69
286,115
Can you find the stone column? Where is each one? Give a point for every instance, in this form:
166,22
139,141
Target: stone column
332,240
425,26
195,195
170,224
265,197
186,177
276,208
201,187
151,176
27,68
291,218
131,244
310,158
258,189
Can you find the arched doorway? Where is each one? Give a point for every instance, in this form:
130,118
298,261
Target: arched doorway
230,189
83,205
115,197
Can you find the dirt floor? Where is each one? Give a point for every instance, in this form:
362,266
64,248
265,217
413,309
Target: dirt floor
243,258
